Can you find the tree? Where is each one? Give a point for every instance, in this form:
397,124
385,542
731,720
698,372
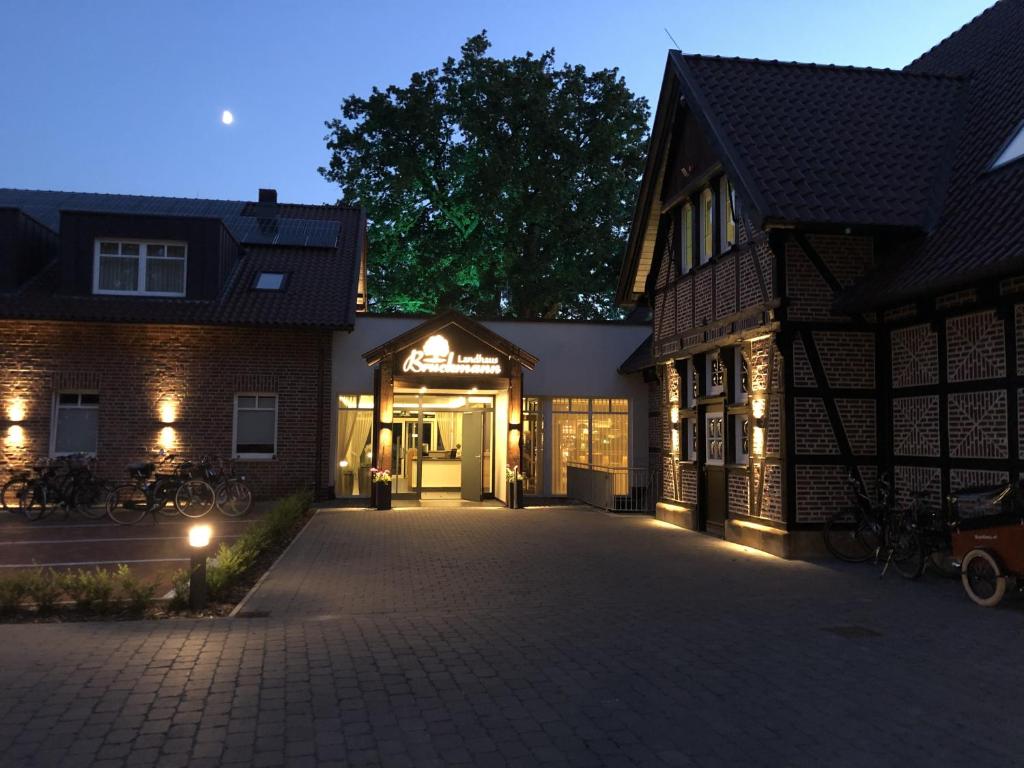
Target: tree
499,187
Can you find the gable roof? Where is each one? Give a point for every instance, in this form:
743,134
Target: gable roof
980,230
318,246
808,143
442,320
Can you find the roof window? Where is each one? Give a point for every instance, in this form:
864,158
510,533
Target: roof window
269,281
1014,150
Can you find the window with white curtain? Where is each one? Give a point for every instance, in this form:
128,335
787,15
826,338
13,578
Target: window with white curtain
707,225
139,267
728,222
75,423
255,426
588,431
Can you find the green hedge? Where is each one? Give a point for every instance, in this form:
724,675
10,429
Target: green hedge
232,561
97,591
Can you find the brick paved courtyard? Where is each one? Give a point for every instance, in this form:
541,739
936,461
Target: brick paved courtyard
531,637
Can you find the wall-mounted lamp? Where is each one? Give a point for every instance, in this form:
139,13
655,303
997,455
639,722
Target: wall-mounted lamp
167,438
168,411
15,437
16,410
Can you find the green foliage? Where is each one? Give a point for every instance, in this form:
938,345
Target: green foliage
45,587
91,590
232,561
499,187
13,589
137,594
179,586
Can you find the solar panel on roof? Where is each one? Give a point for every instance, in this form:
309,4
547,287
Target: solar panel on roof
305,232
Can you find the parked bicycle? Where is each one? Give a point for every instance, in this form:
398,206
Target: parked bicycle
12,489
874,530
233,494
68,483
153,488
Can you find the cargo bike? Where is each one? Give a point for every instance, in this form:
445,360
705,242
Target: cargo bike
987,539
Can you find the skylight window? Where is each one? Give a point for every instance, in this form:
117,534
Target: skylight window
1012,151
269,281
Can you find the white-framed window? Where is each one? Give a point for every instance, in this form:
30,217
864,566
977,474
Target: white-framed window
685,230
715,374
742,428
740,378
75,423
714,437
691,443
692,383
707,225
728,223
255,433
139,267
269,281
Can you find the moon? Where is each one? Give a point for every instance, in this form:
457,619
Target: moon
226,117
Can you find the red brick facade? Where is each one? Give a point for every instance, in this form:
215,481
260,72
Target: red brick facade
174,385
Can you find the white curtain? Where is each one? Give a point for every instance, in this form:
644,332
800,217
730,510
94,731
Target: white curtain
446,429
353,433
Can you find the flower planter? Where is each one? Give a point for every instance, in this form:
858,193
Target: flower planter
515,494
382,495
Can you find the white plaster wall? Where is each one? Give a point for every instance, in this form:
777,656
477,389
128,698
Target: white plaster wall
574,359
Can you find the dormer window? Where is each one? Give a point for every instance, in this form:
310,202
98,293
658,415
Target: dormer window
269,281
707,225
1014,150
139,267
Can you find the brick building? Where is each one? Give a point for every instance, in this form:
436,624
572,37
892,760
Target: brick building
200,326
834,260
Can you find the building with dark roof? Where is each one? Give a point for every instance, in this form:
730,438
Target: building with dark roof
232,328
834,259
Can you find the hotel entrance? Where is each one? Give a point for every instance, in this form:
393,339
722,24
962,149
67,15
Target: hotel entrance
444,445
447,411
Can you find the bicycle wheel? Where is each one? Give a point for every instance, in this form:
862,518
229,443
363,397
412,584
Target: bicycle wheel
907,553
10,493
234,497
127,504
35,501
983,579
89,500
195,498
846,536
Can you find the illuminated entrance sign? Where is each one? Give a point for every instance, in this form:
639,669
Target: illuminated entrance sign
437,357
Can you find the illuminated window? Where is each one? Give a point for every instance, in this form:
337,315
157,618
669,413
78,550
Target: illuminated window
533,445
588,431
728,223
269,281
127,267
355,420
75,423
685,234
255,426
707,225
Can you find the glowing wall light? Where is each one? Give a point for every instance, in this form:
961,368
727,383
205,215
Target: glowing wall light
757,407
758,444
167,438
168,409
16,409
15,437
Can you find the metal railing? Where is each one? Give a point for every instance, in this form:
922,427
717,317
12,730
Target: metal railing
616,489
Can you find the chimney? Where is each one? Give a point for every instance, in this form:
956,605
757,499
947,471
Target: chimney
268,196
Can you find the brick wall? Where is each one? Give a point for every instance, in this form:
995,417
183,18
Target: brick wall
975,347
138,368
915,356
848,259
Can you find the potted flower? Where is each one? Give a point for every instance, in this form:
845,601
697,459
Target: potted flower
381,480
514,480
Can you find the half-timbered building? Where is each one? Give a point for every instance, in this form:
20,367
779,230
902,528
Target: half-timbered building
834,257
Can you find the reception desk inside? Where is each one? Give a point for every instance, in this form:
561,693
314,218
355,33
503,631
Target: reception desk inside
438,473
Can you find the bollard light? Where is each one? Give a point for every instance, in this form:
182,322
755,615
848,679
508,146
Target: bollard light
199,540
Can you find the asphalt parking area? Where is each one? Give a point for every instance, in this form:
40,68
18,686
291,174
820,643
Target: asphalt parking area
154,549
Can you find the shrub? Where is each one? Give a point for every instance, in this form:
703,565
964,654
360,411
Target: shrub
91,590
13,589
179,585
137,594
232,561
44,587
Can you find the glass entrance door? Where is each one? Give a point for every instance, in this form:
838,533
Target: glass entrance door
429,434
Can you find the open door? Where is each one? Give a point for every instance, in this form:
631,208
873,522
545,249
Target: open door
472,456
